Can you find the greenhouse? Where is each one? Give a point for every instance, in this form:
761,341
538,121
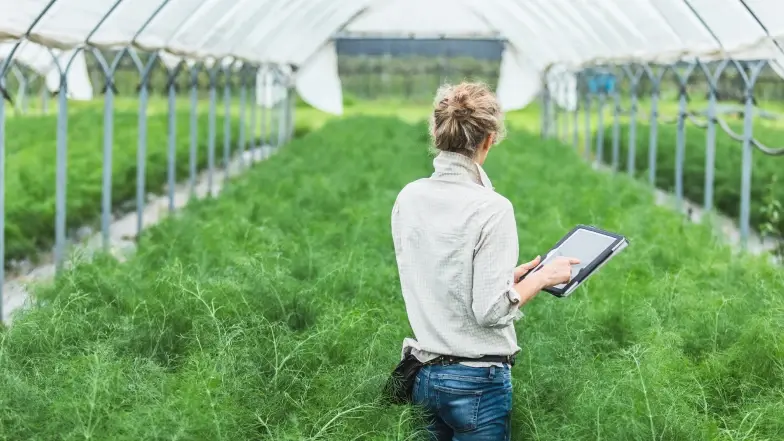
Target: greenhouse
195,201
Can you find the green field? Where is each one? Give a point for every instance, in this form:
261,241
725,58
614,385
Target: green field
31,164
274,312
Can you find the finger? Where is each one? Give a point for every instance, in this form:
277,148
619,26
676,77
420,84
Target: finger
531,264
574,261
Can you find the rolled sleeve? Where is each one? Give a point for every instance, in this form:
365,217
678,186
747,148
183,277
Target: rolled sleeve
495,259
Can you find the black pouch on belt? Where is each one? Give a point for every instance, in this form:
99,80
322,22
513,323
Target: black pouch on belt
399,388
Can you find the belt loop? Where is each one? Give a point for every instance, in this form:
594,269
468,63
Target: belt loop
492,372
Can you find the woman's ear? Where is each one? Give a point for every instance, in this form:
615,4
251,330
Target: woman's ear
489,141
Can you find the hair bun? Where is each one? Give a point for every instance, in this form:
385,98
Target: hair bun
460,106
463,117
461,112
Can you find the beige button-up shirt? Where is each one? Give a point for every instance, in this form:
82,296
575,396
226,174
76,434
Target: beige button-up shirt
456,247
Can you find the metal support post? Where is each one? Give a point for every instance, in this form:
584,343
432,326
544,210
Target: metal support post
141,156
2,197
243,96
680,141
194,123
213,73
61,173
172,132
749,80
602,97
108,145
226,120
587,140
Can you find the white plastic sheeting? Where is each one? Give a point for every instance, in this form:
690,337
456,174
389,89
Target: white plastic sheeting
318,82
540,33
423,18
41,61
518,82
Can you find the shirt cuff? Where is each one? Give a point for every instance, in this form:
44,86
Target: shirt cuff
514,298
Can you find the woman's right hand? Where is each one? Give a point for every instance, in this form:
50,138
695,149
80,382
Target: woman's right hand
556,272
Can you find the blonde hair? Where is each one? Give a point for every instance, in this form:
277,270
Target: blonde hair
463,116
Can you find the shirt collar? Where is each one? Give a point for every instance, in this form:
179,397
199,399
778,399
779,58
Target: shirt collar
451,165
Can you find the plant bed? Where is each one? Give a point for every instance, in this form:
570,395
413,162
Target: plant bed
274,312
767,176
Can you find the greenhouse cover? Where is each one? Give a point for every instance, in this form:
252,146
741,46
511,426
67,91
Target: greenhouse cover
541,36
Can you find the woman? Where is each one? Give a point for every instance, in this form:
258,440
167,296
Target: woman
456,247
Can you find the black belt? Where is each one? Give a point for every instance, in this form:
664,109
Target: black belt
445,360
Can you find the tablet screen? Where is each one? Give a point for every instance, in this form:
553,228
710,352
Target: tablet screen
583,244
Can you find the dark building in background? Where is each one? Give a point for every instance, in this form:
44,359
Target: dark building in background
485,49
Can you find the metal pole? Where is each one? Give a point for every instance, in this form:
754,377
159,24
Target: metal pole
108,142
680,142
564,113
211,128
141,152
227,120
172,129
632,153
547,110
745,183
555,128
141,155
44,98
748,137
587,141
292,109
2,197
543,111
108,138
243,97
710,139
600,129
710,149
680,146
282,119
265,116
653,141
576,120
23,85
616,136
194,124
61,176
255,142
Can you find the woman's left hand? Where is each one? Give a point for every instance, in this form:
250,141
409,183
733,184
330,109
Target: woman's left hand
524,268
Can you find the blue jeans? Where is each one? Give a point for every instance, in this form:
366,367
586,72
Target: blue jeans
465,403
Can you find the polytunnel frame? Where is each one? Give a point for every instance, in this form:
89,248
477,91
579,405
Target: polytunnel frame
553,125
25,81
227,67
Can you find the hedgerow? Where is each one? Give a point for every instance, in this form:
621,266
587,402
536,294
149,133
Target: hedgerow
274,312
766,174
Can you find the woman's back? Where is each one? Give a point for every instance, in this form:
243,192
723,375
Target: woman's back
437,226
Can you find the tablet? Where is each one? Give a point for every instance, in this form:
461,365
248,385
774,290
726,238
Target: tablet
593,246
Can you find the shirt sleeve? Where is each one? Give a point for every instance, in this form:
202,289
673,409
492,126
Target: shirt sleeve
495,259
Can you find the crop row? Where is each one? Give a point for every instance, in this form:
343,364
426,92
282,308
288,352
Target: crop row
31,168
274,312
767,171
